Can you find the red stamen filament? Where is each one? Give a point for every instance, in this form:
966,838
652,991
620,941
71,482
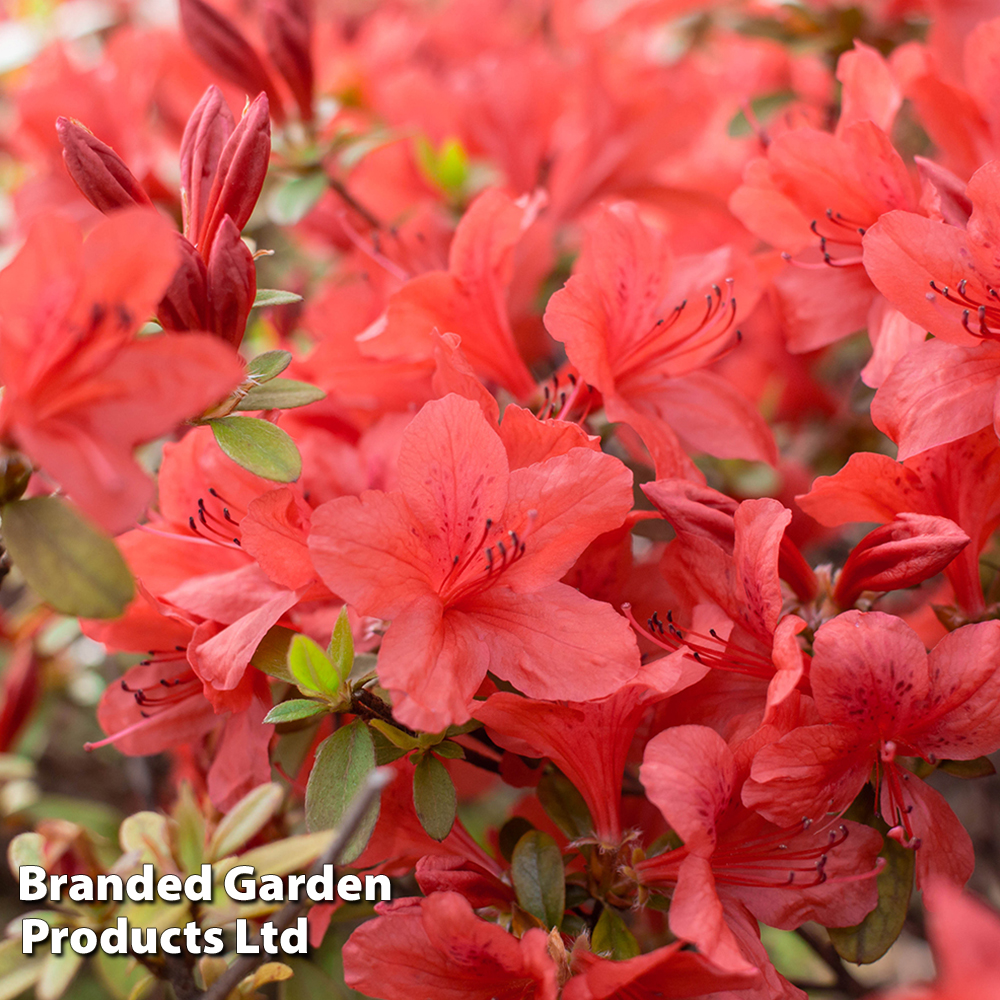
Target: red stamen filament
710,650
987,315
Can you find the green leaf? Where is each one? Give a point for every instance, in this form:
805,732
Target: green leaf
536,867
341,648
385,751
297,708
434,797
981,767
395,736
564,804
342,762
274,297
72,565
259,447
510,833
271,654
449,750
871,939
292,201
310,666
245,819
613,938
270,364
280,394
57,973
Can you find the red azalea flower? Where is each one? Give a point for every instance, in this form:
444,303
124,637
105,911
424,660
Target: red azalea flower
641,327
438,947
959,481
880,696
81,390
465,560
783,875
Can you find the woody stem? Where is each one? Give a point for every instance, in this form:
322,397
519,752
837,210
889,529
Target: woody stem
845,981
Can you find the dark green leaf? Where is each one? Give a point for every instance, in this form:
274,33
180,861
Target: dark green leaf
71,564
981,767
449,750
342,762
385,752
510,833
297,708
271,654
871,939
613,938
310,666
259,447
292,200
564,804
539,878
268,365
341,648
280,394
434,797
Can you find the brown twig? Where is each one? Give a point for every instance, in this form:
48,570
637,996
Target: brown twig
846,983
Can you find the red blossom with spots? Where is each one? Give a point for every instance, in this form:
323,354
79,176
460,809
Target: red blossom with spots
881,697
465,561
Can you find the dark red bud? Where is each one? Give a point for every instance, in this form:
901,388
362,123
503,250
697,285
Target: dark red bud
220,44
97,170
184,305
232,283
288,34
205,136
906,551
240,173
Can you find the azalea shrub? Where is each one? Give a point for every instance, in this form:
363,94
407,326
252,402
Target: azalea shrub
544,452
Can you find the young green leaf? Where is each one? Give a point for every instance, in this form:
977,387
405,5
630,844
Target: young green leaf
245,819
271,654
280,394
259,447
297,708
293,199
72,565
341,648
395,736
342,762
268,365
536,868
613,938
311,667
434,797
274,297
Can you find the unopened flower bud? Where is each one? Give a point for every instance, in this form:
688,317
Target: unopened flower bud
906,551
232,283
220,44
288,34
97,170
240,174
205,136
184,305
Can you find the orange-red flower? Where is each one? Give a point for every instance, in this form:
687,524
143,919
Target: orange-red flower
465,560
81,390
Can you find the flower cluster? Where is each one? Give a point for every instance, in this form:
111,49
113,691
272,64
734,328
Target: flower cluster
615,461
